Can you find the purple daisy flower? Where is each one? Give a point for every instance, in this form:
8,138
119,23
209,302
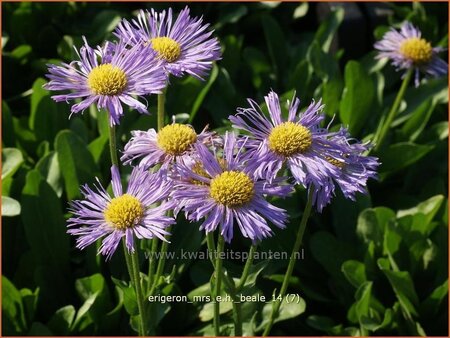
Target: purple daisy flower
109,76
123,215
223,191
407,49
354,170
186,45
172,143
299,141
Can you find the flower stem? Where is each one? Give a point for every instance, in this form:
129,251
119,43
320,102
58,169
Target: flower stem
247,267
161,264
217,286
161,111
394,109
164,246
112,144
290,269
237,310
152,263
138,288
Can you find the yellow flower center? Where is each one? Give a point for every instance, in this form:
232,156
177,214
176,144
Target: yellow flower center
290,138
107,79
167,48
124,212
176,138
335,162
418,50
200,171
232,188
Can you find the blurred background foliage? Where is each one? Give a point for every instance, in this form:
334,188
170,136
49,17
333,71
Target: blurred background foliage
374,267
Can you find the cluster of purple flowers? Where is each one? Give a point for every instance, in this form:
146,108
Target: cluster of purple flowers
220,181
139,64
225,181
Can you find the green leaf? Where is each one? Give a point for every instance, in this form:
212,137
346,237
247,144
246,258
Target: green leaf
301,10
46,117
39,329
355,272
276,44
430,305
104,22
230,14
129,296
419,119
10,207
429,208
12,308
12,159
44,223
400,155
48,166
403,287
61,322
357,98
435,90
323,64
372,223
94,285
201,96
392,240
288,310
331,95
329,252
75,161
8,137
29,300
300,78
363,295
374,325
207,312
22,54
325,34
98,147
259,65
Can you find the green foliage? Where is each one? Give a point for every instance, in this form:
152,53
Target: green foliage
374,266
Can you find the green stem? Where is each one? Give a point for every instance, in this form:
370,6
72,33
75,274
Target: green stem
164,246
237,310
290,269
112,144
217,287
237,318
128,260
247,267
152,263
211,246
394,109
161,264
161,112
139,294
